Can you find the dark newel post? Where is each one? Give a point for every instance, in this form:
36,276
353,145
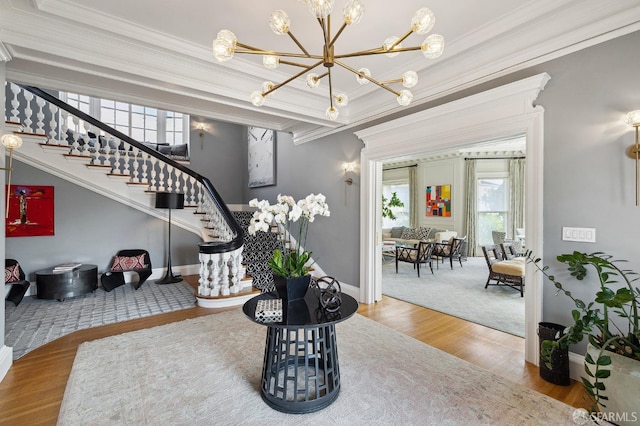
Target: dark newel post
169,200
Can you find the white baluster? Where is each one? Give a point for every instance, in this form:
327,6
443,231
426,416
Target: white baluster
203,287
170,178
15,103
53,123
215,274
224,278
192,198
185,187
28,112
40,102
146,159
65,127
75,132
153,182
161,178
125,156
135,173
116,159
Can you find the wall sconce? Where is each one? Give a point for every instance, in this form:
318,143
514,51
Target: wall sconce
347,167
10,141
200,127
633,120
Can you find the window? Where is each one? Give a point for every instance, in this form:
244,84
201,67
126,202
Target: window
401,189
142,123
493,204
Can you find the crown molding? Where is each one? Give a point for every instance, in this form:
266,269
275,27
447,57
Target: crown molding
5,55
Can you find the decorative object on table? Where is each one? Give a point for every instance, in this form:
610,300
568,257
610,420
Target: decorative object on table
438,201
10,141
291,261
169,200
329,293
269,310
31,211
66,267
423,21
611,323
261,157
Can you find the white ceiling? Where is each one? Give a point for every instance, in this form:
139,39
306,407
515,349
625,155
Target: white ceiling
159,51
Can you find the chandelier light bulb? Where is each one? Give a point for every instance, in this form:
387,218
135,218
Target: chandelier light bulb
633,118
353,12
362,72
341,100
270,61
257,98
423,21
409,79
279,22
228,36
332,113
11,141
433,46
405,97
387,46
321,8
312,80
267,86
222,50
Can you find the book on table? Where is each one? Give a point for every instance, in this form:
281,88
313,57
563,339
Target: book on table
66,267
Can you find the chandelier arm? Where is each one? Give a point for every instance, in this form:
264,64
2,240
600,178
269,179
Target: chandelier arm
295,64
401,39
335,38
371,79
274,53
330,89
290,79
397,80
290,34
377,51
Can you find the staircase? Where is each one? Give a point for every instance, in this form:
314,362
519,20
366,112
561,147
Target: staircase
130,172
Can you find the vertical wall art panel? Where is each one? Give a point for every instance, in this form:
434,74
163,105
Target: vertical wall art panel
438,201
30,211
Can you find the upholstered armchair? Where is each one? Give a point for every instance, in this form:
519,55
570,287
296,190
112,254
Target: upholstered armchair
417,255
451,250
131,260
14,275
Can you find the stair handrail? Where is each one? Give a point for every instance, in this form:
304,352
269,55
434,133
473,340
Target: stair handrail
205,247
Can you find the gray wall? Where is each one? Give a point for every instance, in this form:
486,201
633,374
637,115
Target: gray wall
316,167
90,228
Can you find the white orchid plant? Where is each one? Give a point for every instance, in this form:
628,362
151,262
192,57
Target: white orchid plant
291,260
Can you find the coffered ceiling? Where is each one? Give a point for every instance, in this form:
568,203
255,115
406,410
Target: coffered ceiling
159,52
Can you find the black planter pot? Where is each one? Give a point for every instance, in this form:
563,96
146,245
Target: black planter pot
558,374
292,288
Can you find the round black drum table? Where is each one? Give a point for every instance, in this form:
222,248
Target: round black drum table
60,285
300,373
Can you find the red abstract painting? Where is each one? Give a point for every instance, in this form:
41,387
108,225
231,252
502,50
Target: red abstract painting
30,211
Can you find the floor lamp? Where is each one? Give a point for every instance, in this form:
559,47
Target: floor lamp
169,200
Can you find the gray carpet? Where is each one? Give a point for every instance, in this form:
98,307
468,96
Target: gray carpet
206,371
459,292
35,322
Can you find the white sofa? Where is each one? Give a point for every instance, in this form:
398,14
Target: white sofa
425,234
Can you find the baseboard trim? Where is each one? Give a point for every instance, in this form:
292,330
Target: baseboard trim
576,366
6,359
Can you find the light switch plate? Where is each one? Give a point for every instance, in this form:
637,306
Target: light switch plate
583,235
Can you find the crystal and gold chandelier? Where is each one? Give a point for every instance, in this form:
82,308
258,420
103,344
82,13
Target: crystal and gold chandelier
226,44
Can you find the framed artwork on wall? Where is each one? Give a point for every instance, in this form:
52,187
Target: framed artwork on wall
261,157
438,201
30,211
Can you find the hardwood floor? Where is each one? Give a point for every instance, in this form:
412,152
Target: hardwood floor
32,390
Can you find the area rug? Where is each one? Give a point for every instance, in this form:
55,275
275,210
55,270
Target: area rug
459,292
206,371
35,322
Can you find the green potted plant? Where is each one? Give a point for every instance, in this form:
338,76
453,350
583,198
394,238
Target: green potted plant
387,204
611,324
291,263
